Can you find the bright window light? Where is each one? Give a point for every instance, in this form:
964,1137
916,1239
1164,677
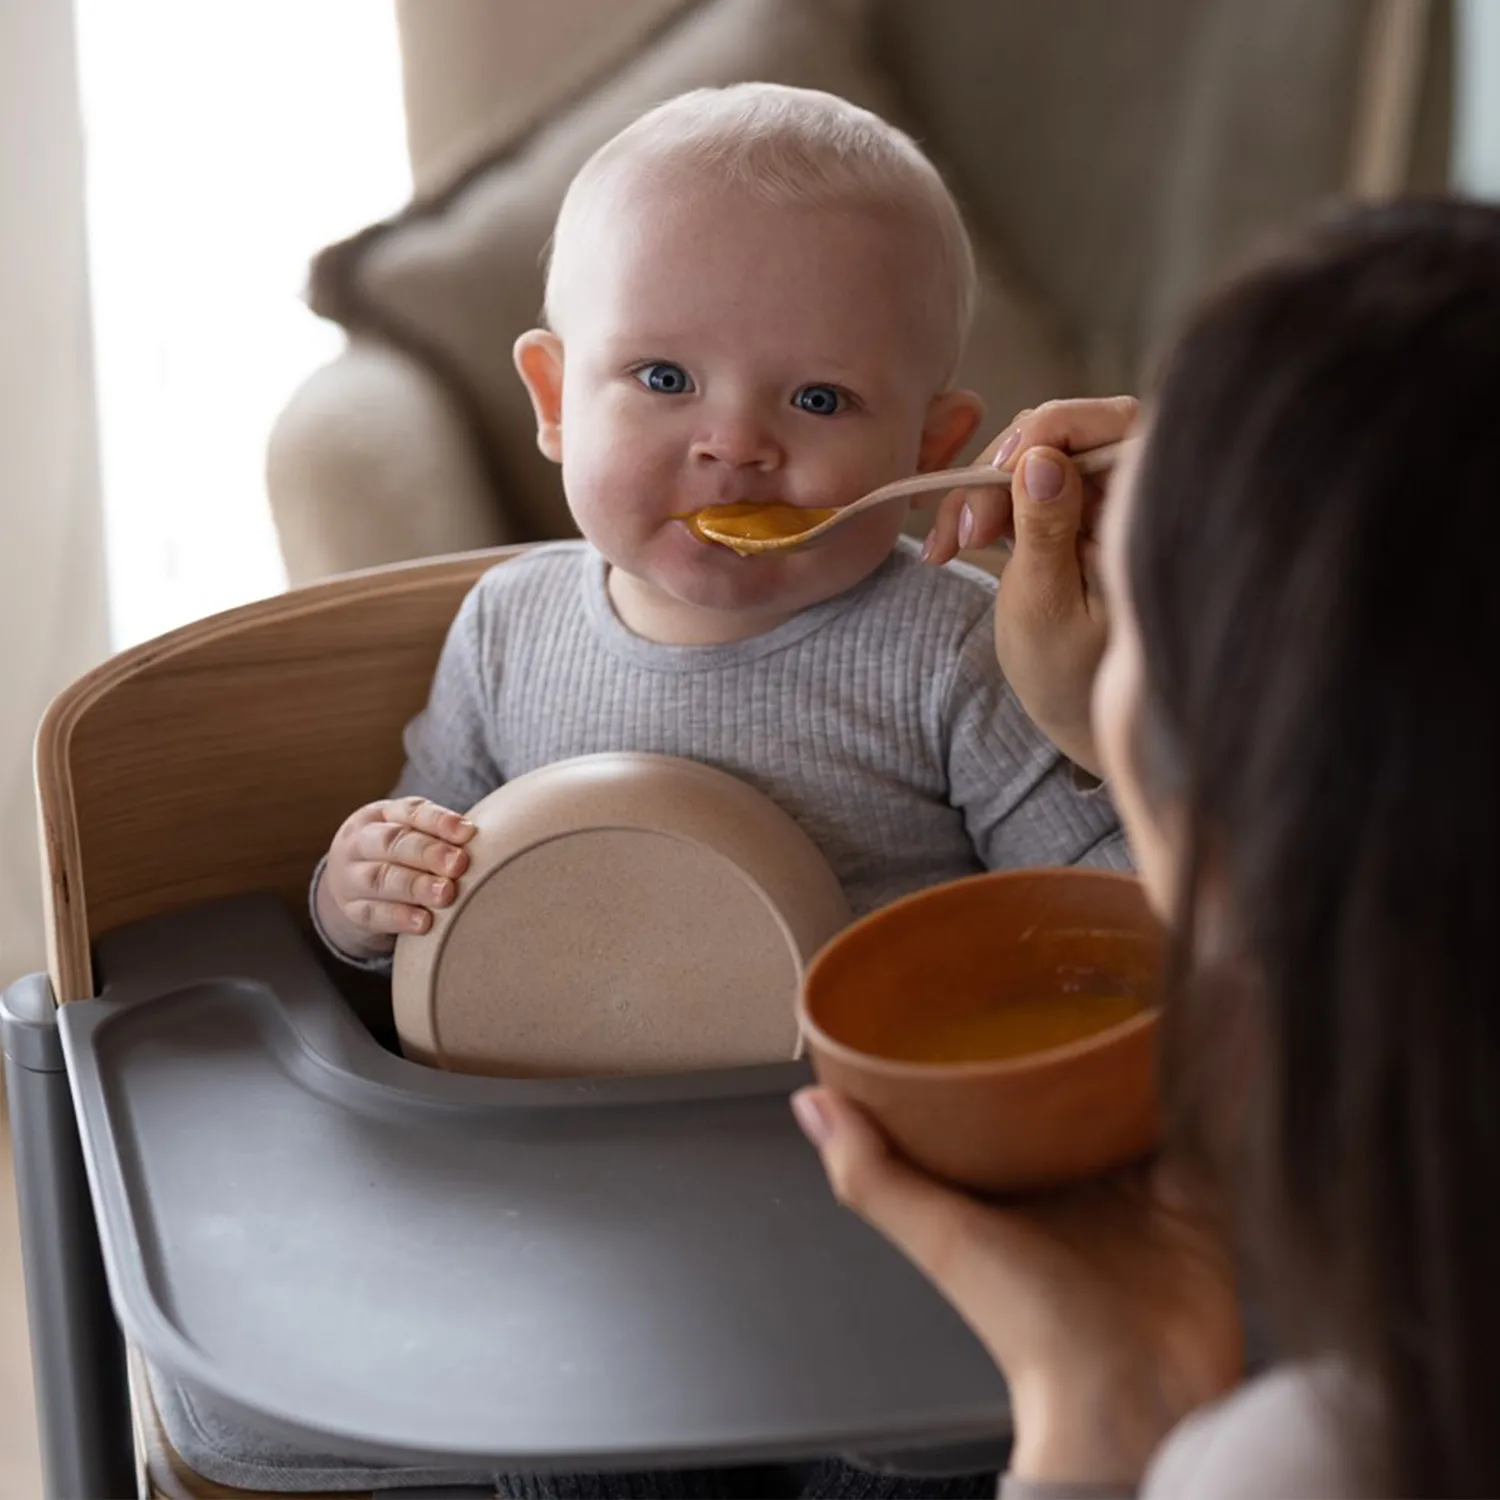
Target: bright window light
1476,114
226,143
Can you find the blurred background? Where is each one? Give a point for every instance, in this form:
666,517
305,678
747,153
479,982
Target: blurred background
190,420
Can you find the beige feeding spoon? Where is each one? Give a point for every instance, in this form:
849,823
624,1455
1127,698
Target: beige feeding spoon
749,528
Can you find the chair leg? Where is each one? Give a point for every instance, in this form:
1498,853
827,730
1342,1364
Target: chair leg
77,1351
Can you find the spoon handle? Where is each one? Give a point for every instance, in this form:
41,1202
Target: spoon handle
976,476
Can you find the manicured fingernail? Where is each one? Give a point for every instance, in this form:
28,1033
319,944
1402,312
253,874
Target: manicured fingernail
450,862
1004,451
1044,477
437,890
812,1115
929,546
965,527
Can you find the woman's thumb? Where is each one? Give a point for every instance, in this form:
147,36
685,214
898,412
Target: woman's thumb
855,1156
1042,580
1047,495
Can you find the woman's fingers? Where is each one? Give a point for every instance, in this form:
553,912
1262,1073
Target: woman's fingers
942,545
938,1229
975,518
982,517
1076,425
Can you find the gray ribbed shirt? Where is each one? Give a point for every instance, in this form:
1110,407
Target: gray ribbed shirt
879,720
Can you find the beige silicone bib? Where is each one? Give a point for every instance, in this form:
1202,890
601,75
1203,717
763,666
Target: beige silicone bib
622,913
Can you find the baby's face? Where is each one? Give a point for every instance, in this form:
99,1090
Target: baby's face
717,350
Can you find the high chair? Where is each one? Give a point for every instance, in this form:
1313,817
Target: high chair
205,1133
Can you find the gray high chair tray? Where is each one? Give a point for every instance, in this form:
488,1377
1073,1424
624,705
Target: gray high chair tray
360,1255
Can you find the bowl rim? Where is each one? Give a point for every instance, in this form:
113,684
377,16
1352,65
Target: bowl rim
817,1038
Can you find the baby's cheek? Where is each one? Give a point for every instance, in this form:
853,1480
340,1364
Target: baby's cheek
872,539
627,528
855,552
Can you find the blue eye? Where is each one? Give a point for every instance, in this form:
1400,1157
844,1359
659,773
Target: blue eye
820,400
665,379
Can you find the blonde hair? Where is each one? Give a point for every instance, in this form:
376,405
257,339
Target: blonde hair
790,147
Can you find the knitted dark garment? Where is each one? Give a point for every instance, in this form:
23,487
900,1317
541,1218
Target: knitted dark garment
825,1479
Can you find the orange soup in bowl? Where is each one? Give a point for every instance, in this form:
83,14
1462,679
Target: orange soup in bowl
1058,988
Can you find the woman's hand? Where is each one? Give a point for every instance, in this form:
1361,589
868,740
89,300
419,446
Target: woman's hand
1110,1308
1050,623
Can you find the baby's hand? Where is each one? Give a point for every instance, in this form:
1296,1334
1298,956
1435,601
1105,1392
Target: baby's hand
391,865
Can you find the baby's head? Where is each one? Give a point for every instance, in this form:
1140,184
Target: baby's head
755,293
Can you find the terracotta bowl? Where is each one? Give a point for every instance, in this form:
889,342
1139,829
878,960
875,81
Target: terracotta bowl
936,965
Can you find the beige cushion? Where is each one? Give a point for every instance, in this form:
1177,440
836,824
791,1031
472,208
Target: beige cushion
455,278
475,73
371,462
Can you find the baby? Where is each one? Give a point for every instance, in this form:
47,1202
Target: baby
755,294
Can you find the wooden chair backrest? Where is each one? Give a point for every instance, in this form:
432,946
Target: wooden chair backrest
221,758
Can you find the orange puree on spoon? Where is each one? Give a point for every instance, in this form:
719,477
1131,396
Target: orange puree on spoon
730,525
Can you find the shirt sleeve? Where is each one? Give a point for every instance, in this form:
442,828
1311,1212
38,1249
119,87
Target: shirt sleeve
450,756
1021,798
380,964
450,751
1284,1433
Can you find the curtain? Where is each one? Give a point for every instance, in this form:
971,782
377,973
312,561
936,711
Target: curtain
53,614
227,142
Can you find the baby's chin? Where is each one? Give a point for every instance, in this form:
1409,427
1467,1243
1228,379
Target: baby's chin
707,576
718,579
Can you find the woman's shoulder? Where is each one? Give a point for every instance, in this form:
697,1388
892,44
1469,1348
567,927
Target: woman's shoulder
1281,1435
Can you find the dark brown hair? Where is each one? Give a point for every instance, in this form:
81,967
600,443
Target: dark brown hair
1314,560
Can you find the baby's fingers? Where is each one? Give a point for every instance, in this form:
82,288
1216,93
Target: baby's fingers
401,845
383,883
426,817
387,916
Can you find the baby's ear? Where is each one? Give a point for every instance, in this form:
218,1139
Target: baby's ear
952,419
539,361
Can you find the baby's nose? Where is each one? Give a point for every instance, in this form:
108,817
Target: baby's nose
740,442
